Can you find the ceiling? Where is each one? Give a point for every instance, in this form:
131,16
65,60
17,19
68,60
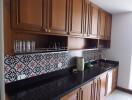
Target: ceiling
114,6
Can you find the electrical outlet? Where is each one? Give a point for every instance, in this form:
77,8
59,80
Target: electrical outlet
59,65
22,76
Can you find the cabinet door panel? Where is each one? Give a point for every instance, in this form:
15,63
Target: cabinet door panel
58,16
96,89
27,14
102,24
94,21
76,17
27,7
108,26
114,78
102,82
72,96
86,28
109,82
87,91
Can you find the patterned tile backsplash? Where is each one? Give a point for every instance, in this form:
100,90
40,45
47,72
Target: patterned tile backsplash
41,63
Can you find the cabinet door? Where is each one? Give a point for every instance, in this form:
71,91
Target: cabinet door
27,15
115,77
109,82
108,26
7,97
102,25
58,16
76,17
94,21
102,84
87,92
72,96
87,19
96,90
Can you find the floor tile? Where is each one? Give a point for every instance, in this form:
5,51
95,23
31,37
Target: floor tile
119,95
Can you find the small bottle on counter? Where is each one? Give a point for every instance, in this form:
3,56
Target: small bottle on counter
80,63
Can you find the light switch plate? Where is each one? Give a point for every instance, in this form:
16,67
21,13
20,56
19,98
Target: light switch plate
22,76
59,65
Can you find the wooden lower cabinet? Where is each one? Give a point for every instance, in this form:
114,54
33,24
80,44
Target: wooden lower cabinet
74,95
102,86
114,78
6,97
87,92
83,93
109,81
97,89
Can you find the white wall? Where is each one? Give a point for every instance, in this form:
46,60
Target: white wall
2,92
121,47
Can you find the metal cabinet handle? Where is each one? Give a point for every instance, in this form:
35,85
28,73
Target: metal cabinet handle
81,98
49,30
45,30
78,96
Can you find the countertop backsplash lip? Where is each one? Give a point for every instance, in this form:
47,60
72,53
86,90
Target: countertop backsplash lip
115,63
40,63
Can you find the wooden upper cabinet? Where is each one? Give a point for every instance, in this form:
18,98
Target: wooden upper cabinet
87,91
74,95
102,26
27,15
72,17
108,26
58,16
76,17
86,24
94,14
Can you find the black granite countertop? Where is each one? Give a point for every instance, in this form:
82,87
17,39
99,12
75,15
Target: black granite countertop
56,84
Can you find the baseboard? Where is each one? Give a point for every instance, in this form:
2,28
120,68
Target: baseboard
124,90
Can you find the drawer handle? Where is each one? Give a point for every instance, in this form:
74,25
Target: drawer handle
45,30
49,30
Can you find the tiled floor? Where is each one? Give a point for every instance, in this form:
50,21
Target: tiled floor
118,95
